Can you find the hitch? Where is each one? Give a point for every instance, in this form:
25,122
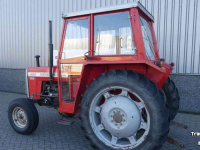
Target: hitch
174,142
177,124
171,140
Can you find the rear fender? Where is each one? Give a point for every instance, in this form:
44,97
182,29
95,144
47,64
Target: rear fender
91,71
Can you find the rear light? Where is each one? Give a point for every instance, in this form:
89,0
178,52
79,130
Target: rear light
160,63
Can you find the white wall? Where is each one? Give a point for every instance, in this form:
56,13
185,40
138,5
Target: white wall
24,29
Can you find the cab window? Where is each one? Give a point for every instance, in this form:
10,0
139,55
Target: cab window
76,39
113,34
147,38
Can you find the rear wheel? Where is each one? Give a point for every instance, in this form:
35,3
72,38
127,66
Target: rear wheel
122,109
23,116
172,97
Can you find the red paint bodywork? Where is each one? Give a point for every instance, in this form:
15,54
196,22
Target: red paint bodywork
35,83
93,66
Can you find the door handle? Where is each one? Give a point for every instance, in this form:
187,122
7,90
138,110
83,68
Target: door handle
120,42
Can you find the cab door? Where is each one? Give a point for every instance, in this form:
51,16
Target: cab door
75,46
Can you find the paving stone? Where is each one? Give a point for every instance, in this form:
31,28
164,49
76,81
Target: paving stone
51,135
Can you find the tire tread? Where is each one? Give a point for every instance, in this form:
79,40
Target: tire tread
172,97
161,129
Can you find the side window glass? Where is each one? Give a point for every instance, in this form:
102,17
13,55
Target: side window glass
147,38
113,35
76,39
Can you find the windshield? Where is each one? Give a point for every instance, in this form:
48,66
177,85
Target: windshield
147,39
113,34
76,39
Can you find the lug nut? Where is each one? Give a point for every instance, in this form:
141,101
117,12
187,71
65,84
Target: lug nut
123,120
121,124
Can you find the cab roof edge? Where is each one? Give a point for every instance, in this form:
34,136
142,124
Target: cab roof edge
110,8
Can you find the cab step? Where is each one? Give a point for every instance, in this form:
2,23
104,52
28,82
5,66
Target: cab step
66,121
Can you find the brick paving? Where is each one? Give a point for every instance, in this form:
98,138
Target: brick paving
51,135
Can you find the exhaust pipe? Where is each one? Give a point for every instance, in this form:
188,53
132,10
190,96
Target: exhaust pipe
50,55
37,57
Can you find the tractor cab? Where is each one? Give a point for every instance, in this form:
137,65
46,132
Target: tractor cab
103,39
117,31
110,73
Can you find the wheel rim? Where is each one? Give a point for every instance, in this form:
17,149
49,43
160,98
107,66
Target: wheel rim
119,121
19,117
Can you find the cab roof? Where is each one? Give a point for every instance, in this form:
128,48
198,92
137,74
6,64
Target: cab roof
110,8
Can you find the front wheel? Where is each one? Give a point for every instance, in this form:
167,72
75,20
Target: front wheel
23,116
124,110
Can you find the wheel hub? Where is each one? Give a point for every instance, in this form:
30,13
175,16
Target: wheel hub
19,117
120,116
117,118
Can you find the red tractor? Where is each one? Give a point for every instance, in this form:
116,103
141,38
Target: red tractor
108,71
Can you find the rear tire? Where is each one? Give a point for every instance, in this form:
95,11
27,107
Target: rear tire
145,89
172,97
23,116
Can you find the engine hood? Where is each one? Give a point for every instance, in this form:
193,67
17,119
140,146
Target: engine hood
42,72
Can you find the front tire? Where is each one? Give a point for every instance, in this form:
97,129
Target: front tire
23,116
128,97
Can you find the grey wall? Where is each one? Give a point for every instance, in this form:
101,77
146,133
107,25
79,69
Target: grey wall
189,90
13,80
24,29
